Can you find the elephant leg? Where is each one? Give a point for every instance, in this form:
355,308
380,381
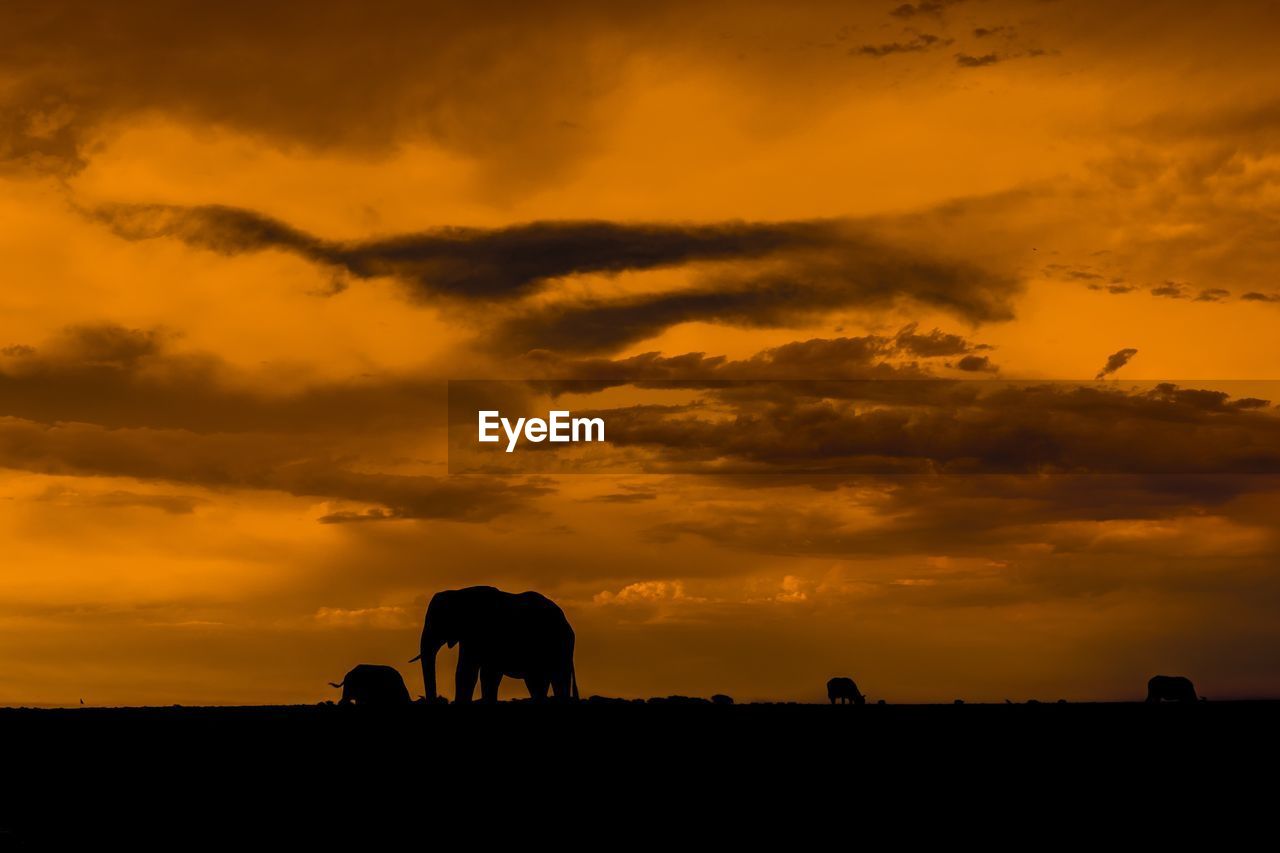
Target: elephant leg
465,679
537,687
562,686
489,681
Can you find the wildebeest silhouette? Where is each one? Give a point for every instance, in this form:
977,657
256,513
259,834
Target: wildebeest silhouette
845,690
1170,688
373,685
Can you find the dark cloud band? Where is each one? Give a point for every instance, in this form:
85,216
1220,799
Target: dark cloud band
475,263
748,274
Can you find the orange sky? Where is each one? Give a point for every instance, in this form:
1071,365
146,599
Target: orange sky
235,287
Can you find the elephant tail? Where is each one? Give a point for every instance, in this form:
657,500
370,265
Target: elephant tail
339,684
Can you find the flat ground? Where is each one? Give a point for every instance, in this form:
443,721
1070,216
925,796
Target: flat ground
146,776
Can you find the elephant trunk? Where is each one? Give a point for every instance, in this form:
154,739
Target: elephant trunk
430,645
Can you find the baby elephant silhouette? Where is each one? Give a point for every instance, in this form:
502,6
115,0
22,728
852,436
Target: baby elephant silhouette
374,685
845,690
1170,688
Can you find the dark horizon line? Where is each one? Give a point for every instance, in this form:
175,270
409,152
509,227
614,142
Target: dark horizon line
655,700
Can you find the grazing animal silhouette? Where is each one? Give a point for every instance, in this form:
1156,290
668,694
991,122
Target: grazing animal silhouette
845,690
373,685
521,635
1170,688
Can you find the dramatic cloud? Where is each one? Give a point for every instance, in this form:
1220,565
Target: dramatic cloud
861,274
119,377
479,264
929,427
1170,290
865,357
107,401
337,80
976,364
784,273
251,461
917,44
928,7
1115,361
1212,294
934,344
362,85
995,517
624,497
964,60
1069,272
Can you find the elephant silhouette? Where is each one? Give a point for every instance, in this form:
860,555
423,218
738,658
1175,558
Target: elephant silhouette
520,635
1170,688
373,685
844,690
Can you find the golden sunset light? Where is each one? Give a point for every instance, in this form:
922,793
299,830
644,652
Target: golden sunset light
932,343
